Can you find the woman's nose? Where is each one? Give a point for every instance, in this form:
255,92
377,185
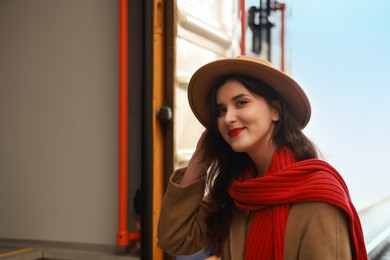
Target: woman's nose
230,116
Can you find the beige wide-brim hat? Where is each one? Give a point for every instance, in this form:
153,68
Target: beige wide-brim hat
204,78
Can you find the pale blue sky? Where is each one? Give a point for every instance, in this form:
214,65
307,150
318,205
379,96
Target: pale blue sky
339,51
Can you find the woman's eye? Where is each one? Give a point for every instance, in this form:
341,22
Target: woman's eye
221,111
241,102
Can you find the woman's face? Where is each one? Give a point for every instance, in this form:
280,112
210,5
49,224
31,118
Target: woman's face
245,121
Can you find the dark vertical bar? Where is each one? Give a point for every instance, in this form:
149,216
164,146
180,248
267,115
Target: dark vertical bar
268,28
147,140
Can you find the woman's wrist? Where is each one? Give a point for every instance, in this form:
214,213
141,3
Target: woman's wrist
196,169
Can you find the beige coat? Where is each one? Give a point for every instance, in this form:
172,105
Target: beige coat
314,230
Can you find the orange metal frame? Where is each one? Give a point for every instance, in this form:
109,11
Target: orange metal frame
123,236
243,27
158,102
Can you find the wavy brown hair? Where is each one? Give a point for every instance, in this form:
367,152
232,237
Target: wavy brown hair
226,164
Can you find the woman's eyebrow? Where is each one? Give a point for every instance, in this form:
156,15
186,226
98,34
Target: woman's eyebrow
234,98
238,97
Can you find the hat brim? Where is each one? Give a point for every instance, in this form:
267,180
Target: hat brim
203,79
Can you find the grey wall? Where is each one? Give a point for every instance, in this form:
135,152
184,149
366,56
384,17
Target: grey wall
58,120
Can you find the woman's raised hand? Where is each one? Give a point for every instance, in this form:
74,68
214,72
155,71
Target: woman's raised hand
197,166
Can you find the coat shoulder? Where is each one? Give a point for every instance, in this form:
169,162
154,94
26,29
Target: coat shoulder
317,229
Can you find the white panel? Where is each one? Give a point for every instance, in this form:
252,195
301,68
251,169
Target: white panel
207,30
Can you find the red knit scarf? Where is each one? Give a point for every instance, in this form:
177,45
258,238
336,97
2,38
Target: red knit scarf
287,182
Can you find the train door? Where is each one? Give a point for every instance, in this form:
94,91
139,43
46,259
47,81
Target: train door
146,128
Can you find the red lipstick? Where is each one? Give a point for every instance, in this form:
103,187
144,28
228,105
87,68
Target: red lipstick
235,131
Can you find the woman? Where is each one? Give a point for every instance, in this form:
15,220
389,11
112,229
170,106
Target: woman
269,197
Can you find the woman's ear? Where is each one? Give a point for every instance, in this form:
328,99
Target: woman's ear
277,109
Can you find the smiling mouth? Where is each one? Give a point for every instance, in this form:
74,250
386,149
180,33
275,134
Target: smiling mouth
235,131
